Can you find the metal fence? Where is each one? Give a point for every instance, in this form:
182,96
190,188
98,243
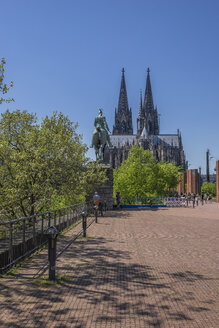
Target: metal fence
139,200
21,237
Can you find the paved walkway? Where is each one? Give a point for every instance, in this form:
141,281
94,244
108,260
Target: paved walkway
145,268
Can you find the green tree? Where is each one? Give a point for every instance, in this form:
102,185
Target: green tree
141,175
168,178
4,88
42,165
209,188
135,176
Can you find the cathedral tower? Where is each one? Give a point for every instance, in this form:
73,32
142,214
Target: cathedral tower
123,116
148,116
140,119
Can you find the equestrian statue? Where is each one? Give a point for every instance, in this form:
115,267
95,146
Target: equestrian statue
100,136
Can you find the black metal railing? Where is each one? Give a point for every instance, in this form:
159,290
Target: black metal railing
21,237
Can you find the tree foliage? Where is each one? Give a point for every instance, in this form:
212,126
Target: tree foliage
43,166
4,88
209,188
141,175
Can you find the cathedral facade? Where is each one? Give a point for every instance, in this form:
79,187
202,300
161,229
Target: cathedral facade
165,147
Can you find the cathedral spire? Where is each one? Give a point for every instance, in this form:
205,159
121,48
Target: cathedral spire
140,119
123,116
123,98
148,98
140,112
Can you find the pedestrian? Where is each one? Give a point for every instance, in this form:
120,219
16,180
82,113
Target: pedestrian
96,198
206,198
196,200
97,204
193,200
202,198
118,199
210,199
189,197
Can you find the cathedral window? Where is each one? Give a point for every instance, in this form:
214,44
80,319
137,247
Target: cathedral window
123,126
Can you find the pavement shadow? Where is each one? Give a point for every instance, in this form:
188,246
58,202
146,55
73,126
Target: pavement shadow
118,213
100,276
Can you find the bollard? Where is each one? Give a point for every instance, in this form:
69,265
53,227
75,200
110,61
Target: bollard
52,234
96,212
84,223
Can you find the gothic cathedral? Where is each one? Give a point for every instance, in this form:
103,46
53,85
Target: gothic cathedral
165,147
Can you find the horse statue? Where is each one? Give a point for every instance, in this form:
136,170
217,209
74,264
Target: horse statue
100,136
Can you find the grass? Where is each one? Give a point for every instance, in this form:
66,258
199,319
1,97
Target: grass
81,238
45,282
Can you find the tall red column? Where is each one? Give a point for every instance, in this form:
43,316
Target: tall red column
189,178
192,181
217,180
181,184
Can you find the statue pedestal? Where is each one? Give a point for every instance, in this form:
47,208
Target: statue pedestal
106,190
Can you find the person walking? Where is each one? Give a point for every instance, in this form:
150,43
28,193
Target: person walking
118,199
96,198
189,197
98,205
202,198
193,200
196,200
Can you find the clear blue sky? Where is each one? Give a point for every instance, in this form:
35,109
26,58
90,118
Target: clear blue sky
67,55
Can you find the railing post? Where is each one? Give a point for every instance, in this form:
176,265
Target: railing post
84,223
59,218
54,218
34,231
42,224
68,221
73,214
49,220
11,242
24,235
24,230
70,213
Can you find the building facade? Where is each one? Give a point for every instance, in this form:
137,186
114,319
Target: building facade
165,147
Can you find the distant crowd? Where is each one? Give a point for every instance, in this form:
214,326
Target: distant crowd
193,199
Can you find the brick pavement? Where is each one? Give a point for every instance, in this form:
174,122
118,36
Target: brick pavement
145,268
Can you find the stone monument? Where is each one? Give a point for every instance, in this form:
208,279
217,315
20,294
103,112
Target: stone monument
100,138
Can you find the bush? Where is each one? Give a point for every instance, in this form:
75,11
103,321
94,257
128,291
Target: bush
209,188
